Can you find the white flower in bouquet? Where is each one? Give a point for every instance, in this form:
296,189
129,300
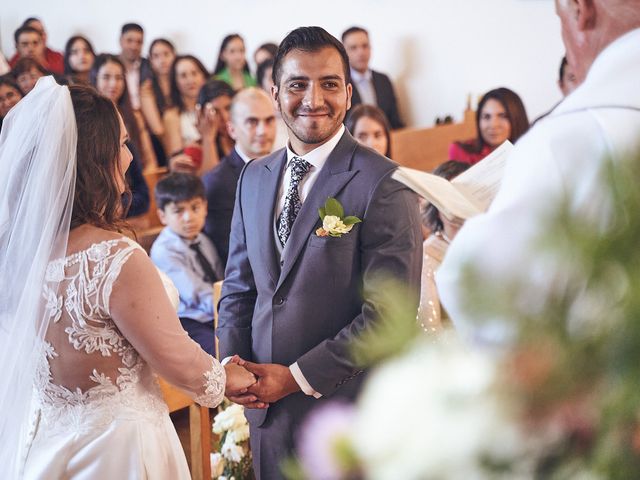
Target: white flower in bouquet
240,433
232,451
441,416
230,418
217,465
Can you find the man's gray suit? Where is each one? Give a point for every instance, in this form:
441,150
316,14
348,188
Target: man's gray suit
309,306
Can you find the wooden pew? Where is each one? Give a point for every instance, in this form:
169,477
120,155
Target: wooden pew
426,148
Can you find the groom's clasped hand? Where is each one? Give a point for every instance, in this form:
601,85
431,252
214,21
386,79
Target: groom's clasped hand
270,382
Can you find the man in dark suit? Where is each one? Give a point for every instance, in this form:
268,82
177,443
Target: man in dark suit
253,126
295,300
369,87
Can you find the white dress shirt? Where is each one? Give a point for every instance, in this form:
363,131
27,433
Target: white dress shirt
364,83
317,158
133,84
245,158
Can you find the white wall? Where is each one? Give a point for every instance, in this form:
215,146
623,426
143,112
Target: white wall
437,51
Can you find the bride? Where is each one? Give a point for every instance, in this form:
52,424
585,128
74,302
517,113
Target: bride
84,316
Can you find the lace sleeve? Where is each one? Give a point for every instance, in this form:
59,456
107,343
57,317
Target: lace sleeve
141,309
215,380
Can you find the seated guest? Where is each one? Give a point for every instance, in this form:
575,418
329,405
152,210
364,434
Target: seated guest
214,110
187,77
108,77
253,127
10,94
27,72
265,81
137,67
500,116
266,51
369,87
139,202
33,47
264,74
370,127
231,66
186,255
78,59
567,80
443,230
155,93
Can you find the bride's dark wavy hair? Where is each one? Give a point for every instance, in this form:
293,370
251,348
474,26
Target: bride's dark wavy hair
97,199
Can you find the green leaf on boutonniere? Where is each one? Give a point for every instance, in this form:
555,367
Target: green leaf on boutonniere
322,213
351,220
333,207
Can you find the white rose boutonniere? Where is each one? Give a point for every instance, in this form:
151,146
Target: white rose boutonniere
334,223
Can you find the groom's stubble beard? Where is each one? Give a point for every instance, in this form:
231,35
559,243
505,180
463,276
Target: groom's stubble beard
311,137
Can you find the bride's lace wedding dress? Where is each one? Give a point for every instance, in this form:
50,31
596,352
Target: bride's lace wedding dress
98,410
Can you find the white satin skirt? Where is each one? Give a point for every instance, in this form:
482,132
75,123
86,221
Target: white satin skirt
106,443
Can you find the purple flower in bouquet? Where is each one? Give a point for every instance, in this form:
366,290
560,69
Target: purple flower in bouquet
324,442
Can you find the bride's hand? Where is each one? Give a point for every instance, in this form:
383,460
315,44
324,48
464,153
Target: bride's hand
238,379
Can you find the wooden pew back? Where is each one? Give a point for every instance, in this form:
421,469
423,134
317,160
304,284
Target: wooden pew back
426,148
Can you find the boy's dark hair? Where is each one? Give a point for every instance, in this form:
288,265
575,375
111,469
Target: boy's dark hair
178,187
449,170
24,29
308,39
351,30
131,27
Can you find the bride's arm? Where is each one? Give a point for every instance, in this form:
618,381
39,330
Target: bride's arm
141,309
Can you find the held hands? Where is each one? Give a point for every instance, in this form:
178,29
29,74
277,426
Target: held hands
239,379
273,383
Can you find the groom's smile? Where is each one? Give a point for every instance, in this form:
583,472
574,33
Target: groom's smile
313,96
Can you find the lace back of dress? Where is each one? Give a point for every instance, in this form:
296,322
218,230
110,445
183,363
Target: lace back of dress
84,351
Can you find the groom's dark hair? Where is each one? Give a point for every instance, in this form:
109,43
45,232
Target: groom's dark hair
308,39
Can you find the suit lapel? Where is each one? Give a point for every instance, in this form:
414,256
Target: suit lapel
332,178
270,175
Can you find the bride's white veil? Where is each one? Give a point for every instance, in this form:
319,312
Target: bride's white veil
37,180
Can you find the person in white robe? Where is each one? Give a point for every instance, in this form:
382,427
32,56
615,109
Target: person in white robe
560,158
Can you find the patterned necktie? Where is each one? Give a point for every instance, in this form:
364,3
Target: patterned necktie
292,203
209,273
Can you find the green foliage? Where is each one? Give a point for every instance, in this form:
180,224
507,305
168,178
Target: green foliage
333,207
396,327
351,220
588,331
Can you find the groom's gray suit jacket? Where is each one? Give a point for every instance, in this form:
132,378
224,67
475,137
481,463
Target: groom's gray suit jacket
310,306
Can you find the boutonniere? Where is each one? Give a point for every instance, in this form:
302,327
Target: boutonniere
334,223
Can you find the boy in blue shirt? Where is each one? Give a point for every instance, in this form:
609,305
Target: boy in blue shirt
186,255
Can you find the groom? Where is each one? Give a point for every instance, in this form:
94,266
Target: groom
294,302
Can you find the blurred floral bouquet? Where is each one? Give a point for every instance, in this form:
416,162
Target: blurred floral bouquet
562,401
233,461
